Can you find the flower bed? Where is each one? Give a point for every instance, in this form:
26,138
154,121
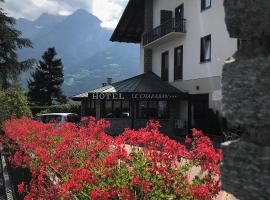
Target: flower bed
85,163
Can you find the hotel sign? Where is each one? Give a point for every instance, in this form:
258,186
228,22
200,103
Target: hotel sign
131,96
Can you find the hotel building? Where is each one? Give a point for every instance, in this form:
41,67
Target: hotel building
183,46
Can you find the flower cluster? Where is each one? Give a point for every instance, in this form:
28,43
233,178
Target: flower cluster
84,162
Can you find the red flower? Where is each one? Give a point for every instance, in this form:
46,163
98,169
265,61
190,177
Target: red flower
97,194
70,160
21,188
188,140
196,133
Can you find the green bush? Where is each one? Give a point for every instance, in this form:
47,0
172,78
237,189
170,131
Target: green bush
64,108
38,109
13,103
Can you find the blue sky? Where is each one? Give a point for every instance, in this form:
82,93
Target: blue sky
108,11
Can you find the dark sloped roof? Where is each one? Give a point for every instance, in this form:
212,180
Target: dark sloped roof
131,25
145,83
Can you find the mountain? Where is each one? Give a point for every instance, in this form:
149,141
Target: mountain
117,62
43,24
87,54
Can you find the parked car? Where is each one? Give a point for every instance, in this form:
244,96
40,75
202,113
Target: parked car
58,117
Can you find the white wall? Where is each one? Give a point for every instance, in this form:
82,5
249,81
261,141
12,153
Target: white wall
199,24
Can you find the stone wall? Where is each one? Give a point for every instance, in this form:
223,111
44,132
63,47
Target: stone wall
246,100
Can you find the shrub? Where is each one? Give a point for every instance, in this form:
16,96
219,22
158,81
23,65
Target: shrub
89,164
13,104
38,109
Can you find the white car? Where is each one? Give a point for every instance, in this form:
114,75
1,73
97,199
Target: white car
58,117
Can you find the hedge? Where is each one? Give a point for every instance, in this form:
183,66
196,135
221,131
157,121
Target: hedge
64,108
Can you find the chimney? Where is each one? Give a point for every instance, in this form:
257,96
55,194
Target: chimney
109,81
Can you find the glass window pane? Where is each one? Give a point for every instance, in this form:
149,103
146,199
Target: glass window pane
207,51
163,109
53,118
165,66
91,108
207,3
178,57
143,109
117,113
108,109
206,48
125,109
166,61
152,111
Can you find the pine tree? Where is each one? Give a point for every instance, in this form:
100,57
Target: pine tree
45,84
10,41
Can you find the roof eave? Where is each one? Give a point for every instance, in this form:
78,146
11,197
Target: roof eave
77,98
130,36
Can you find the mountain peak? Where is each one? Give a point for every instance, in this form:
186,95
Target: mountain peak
81,13
43,16
46,19
80,10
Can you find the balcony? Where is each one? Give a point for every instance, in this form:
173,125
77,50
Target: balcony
167,31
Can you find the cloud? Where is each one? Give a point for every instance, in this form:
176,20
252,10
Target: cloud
108,11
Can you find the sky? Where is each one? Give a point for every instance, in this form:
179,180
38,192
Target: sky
108,11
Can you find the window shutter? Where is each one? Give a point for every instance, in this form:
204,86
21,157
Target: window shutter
165,15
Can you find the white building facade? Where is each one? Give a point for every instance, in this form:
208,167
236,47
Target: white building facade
187,43
198,76
184,43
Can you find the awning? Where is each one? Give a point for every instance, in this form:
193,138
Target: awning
147,86
131,24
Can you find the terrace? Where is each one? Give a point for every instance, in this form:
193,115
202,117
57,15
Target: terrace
169,30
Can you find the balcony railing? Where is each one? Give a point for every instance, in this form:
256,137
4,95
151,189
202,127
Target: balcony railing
172,25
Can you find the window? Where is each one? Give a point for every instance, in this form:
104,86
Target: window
163,111
206,48
166,22
52,118
179,18
165,16
91,108
115,109
153,110
165,66
142,109
108,109
178,63
205,4
125,109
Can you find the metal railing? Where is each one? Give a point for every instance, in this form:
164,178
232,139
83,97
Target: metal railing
172,25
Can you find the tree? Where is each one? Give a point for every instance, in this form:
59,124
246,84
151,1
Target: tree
13,103
10,41
45,84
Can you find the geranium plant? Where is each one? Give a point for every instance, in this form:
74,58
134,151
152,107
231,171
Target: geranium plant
84,162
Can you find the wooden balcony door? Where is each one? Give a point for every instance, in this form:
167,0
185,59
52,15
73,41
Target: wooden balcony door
179,18
166,21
